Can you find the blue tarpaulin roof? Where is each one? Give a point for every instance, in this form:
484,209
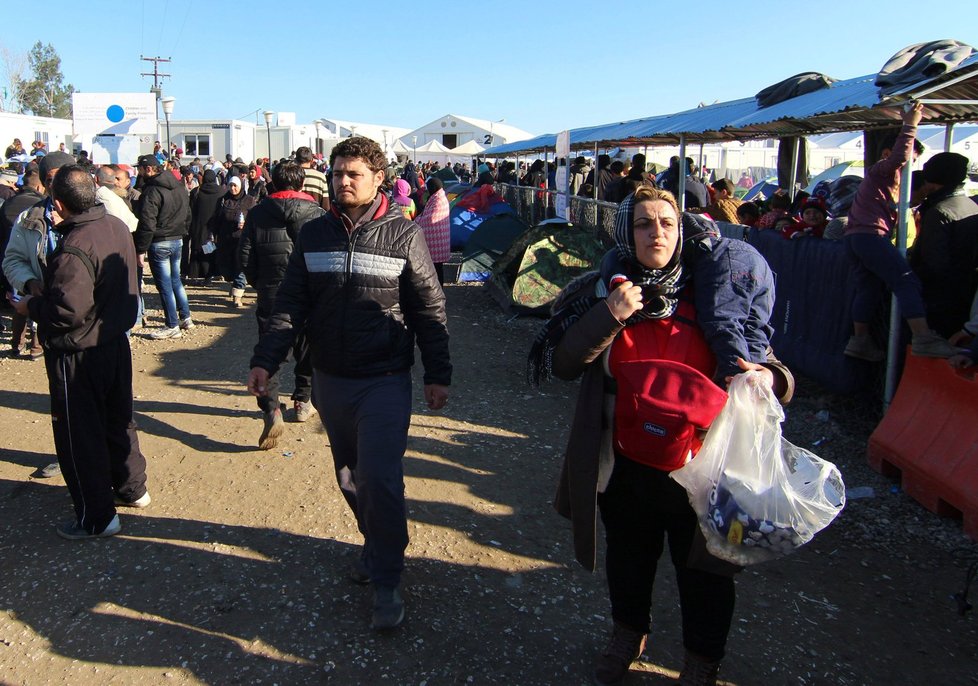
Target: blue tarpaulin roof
852,104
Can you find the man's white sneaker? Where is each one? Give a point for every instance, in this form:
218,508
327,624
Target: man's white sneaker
143,501
170,332
73,532
187,324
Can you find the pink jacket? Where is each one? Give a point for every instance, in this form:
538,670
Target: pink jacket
874,210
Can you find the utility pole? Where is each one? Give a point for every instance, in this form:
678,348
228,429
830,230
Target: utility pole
157,75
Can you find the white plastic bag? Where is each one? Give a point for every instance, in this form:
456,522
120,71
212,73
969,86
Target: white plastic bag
758,496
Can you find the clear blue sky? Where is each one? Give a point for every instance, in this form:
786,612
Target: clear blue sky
542,66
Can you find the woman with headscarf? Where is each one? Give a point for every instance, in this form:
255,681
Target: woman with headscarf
204,202
401,197
622,331
228,224
436,225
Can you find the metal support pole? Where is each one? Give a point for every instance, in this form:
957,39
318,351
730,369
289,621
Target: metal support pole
546,181
893,344
794,167
594,186
948,136
681,190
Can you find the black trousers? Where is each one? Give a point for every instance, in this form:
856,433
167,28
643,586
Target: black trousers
94,432
367,420
640,508
300,353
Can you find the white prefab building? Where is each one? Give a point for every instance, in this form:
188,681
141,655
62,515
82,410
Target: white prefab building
331,131
454,130
29,128
201,138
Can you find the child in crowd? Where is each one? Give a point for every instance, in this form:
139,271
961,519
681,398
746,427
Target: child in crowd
812,222
875,261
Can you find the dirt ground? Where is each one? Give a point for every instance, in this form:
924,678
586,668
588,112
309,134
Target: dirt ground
236,573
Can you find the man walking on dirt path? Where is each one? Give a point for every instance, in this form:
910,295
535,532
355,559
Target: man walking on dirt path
88,303
263,252
361,281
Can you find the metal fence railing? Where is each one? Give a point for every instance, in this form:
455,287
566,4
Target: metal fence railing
533,205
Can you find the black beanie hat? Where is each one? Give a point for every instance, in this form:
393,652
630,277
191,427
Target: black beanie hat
54,160
946,169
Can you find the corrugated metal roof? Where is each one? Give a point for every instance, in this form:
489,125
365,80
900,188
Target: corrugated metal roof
852,104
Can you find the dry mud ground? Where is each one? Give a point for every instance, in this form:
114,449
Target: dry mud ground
236,573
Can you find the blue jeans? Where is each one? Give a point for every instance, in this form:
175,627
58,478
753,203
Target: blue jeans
164,263
875,263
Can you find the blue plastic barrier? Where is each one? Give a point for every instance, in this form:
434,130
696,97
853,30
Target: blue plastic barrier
811,318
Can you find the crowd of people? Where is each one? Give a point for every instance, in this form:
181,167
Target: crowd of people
346,258
935,284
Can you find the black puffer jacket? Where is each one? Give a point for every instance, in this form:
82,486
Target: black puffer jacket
363,298
91,295
164,211
270,231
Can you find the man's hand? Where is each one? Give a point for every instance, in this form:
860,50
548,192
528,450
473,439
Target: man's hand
20,306
258,381
141,261
435,395
767,375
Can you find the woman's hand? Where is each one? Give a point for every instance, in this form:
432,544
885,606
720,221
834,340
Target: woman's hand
960,338
960,361
767,376
625,301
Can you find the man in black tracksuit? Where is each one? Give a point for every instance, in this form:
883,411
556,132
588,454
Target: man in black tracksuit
88,303
361,281
270,231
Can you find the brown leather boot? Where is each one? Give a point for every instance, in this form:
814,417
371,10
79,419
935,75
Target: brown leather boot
699,671
625,647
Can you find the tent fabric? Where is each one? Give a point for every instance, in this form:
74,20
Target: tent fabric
470,148
541,261
446,175
432,146
480,199
487,243
921,61
851,168
811,317
465,221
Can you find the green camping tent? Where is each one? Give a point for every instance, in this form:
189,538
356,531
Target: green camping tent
542,261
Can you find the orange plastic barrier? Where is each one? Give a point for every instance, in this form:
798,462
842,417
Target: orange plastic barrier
929,437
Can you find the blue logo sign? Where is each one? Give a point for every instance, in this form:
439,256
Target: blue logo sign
115,113
654,429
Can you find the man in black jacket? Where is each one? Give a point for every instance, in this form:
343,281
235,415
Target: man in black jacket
87,305
270,231
945,254
164,219
361,282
